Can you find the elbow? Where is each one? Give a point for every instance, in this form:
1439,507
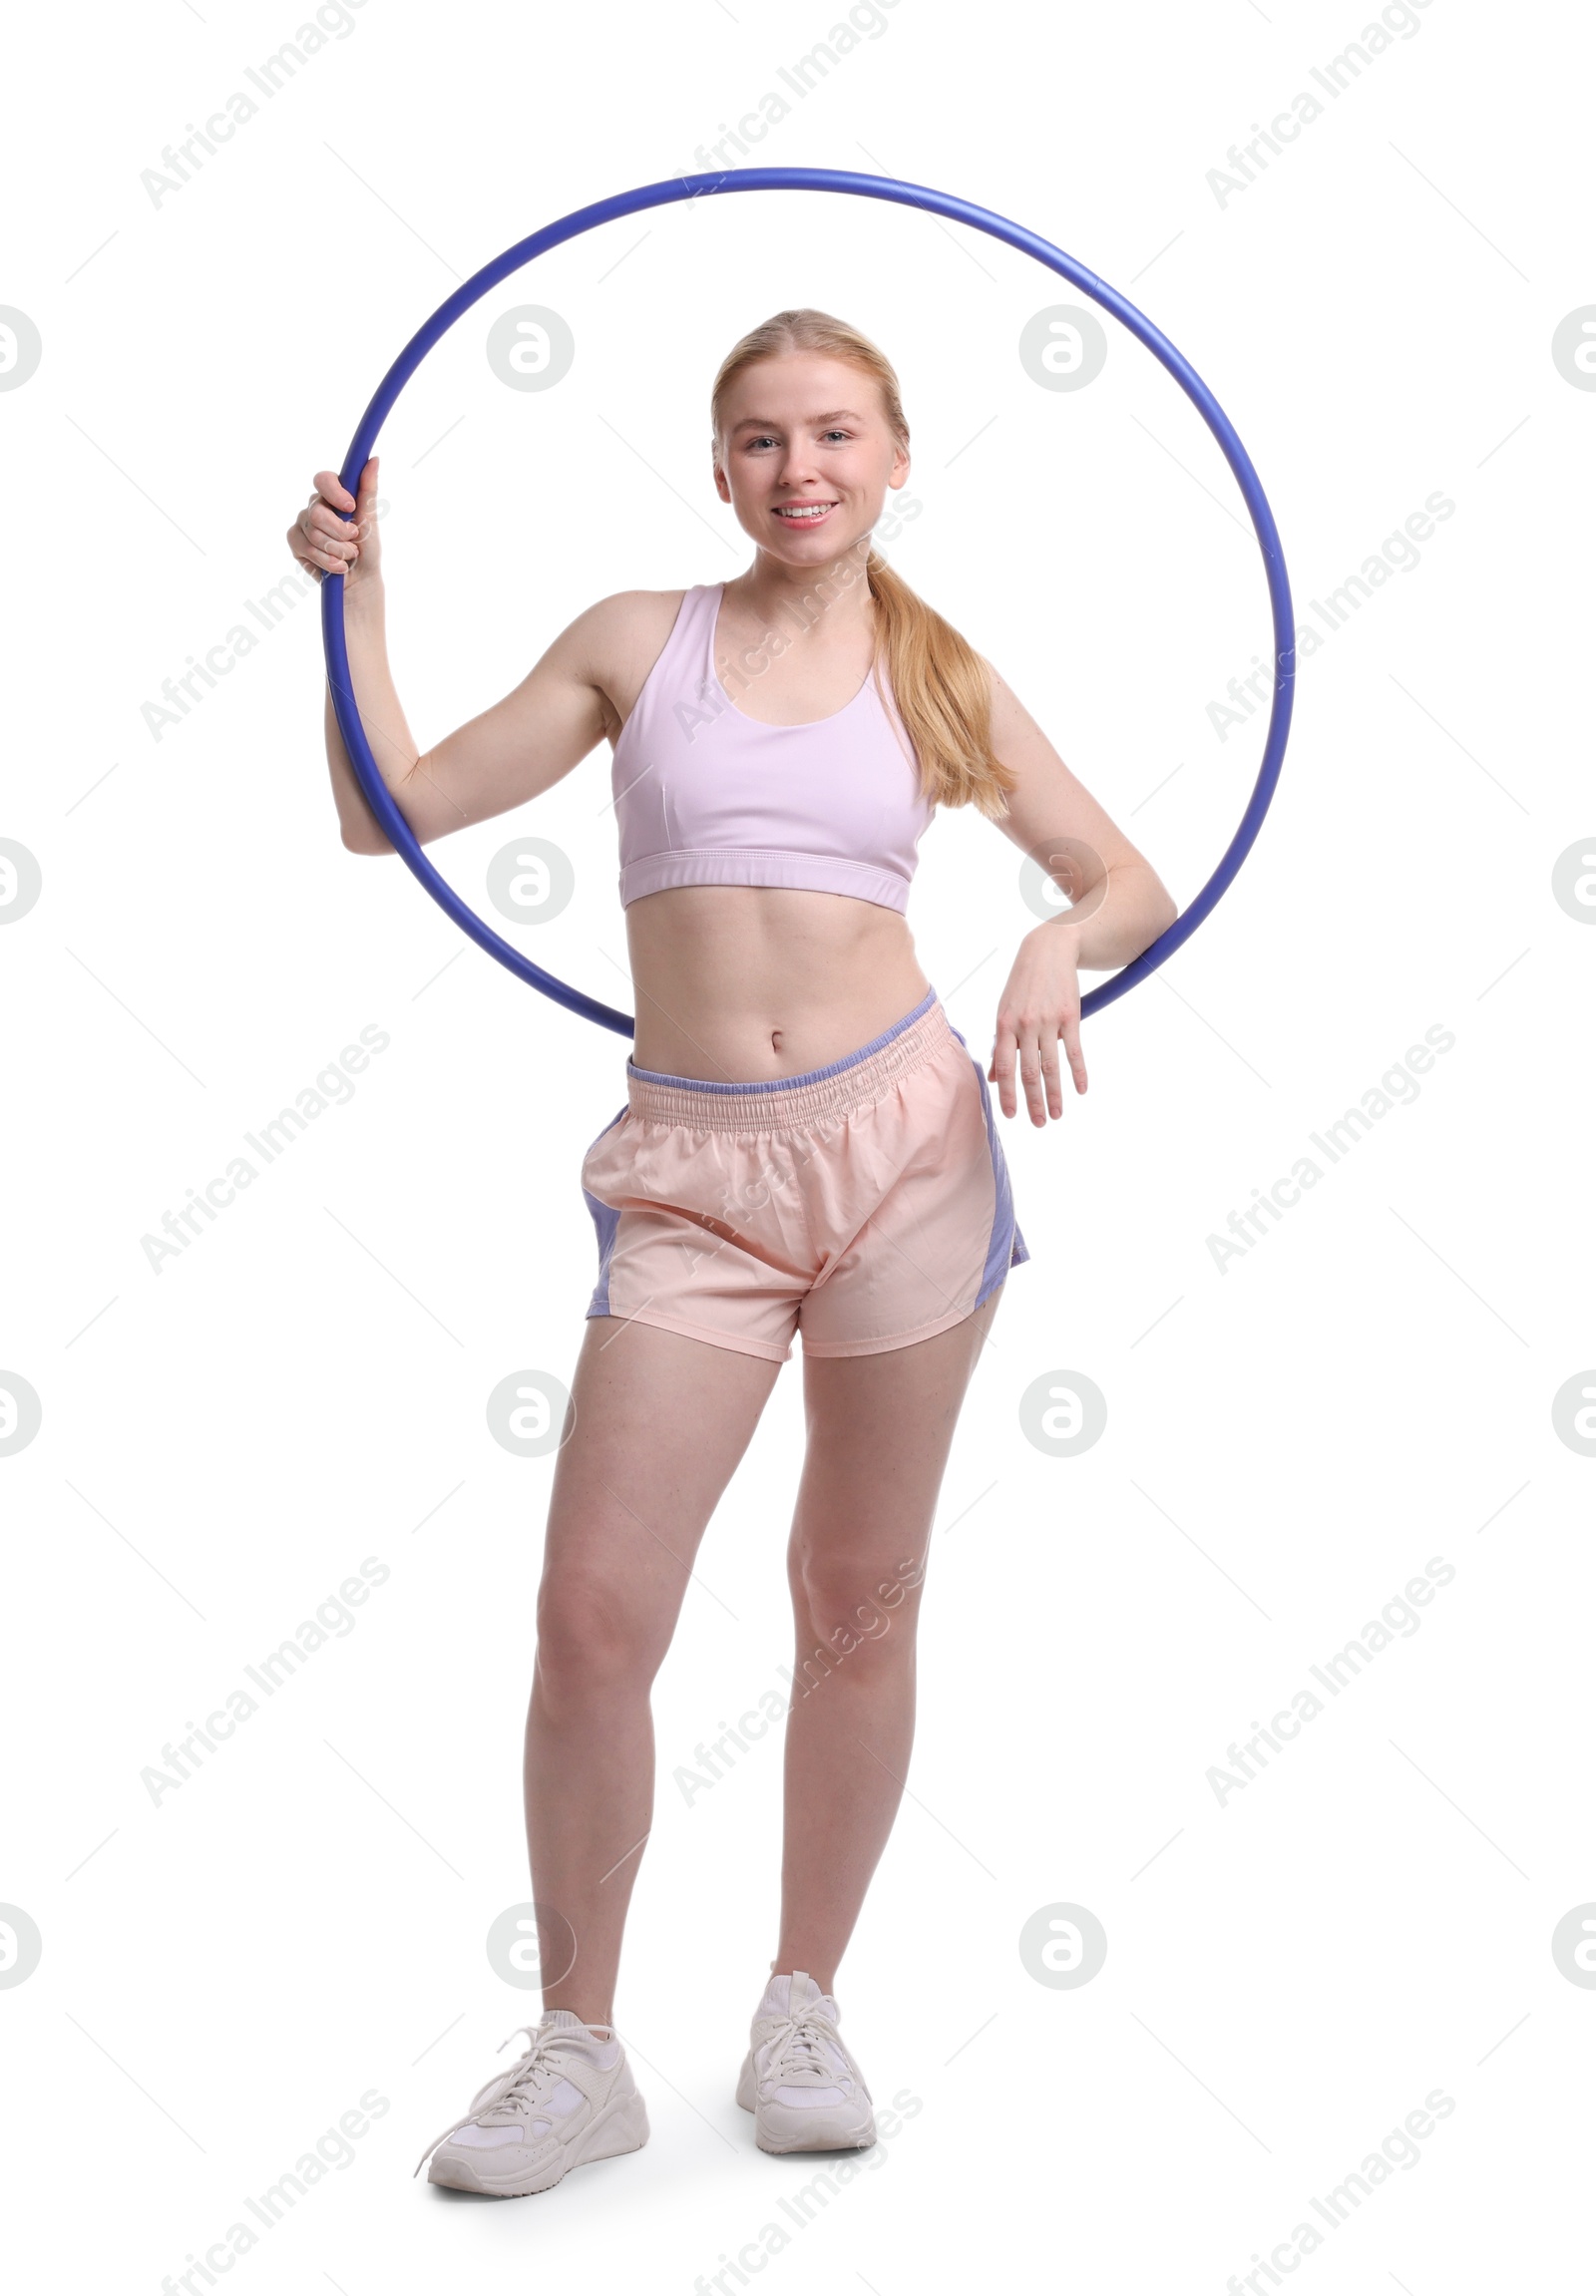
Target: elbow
1165,916
363,840
1159,912
1162,907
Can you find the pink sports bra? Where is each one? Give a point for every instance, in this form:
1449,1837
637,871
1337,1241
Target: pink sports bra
706,795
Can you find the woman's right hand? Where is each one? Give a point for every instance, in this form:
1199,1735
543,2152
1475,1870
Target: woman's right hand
323,543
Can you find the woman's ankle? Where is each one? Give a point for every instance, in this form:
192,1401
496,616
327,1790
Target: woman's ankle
579,2007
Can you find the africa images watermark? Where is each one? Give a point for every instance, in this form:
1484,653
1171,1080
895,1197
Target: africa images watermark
180,163
1400,2149
803,2206
1400,1616
331,1088
1398,554
335,1619
181,695
334,2149
1247,162
715,1760
713,696
864,21
1399,1088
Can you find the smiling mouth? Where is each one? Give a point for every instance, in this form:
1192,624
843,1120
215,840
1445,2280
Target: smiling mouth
803,513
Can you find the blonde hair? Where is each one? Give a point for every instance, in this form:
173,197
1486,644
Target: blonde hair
940,683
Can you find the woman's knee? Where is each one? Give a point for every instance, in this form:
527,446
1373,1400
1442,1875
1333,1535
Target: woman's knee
588,1640
851,1607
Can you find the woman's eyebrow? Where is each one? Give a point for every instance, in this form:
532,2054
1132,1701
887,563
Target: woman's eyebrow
760,423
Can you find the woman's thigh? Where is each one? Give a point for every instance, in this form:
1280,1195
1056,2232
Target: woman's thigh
880,1429
656,1427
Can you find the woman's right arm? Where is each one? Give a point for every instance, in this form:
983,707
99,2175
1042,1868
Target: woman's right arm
512,752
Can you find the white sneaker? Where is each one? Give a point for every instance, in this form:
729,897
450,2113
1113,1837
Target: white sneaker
798,2079
568,2099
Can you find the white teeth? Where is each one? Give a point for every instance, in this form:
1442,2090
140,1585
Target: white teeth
816,511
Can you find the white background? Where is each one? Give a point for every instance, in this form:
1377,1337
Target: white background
1289,1441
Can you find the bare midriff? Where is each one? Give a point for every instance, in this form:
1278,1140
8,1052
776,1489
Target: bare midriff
743,984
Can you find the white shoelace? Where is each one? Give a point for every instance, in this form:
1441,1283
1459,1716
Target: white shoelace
514,2095
795,2055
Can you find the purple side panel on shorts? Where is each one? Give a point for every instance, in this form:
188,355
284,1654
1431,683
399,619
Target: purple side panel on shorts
606,1220
1006,1247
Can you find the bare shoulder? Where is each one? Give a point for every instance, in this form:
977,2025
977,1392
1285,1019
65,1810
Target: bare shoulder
1008,712
1002,692
613,643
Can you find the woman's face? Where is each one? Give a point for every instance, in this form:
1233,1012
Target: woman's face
805,456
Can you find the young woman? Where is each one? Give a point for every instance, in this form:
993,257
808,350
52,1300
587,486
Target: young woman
807,1145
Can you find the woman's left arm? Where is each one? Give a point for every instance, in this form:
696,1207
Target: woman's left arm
1119,906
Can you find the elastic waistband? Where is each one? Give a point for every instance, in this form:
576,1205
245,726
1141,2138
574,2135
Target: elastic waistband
835,1090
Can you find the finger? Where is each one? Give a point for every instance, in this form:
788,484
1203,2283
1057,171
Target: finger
331,488
1030,1074
324,534
325,561
1078,1059
367,514
324,529
1052,1086
339,541
1002,1071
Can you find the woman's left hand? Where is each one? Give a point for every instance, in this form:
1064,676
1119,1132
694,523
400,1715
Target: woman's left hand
1040,1004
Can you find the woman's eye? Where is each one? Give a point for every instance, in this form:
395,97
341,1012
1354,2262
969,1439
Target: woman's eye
769,440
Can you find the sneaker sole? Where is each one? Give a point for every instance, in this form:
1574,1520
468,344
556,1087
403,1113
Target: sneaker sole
855,2139
619,2128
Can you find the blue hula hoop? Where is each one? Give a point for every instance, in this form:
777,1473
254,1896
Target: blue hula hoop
392,821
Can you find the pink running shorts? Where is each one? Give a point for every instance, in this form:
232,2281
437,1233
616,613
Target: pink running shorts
866,1203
